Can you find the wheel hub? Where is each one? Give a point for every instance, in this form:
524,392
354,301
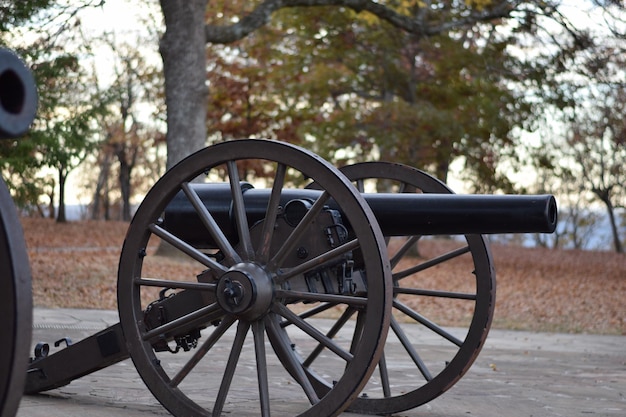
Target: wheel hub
245,291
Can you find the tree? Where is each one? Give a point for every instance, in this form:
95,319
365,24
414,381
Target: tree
19,169
17,13
129,140
577,221
598,147
59,138
62,134
586,100
419,21
17,162
346,86
183,50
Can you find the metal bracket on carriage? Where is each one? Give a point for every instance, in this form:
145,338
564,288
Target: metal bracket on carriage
42,349
170,307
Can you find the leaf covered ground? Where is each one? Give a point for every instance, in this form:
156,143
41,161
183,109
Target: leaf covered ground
75,265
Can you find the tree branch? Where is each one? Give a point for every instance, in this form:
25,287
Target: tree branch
416,25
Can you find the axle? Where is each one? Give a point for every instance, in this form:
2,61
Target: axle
398,214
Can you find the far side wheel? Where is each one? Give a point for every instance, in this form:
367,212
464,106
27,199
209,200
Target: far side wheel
443,304
226,334
16,306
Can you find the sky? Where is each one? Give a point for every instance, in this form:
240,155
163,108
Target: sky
123,18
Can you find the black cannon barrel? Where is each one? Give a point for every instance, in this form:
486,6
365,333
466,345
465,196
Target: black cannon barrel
397,214
18,96
453,214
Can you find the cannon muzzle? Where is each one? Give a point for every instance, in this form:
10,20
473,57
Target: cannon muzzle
18,96
398,214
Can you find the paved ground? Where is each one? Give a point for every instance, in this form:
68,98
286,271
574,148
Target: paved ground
516,374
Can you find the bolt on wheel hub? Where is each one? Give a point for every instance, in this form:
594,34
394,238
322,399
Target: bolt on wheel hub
245,291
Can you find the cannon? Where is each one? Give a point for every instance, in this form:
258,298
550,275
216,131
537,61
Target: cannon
301,274
18,105
18,96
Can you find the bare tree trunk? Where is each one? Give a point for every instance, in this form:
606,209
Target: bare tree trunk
61,217
617,243
101,186
124,177
51,213
106,203
183,49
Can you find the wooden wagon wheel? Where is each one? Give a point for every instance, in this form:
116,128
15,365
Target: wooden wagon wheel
246,288
16,306
18,105
438,356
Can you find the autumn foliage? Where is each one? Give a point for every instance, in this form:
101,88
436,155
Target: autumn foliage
75,265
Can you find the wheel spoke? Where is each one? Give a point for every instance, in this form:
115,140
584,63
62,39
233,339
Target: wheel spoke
263,251
241,219
384,376
186,248
408,346
202,351
166,283
202,313
360,185
231,365
258,333
430,263
313,296
317,261
433,293
403,187
311,331
231,256
349,312
311,312
408,244
429,324
299,231
293,365
358,331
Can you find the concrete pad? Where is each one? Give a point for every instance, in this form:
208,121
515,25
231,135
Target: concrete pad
517,374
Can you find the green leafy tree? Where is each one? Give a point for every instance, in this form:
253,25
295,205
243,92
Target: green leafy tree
184,42
59,138
419,33
19,167
17,159
63,134
340,81
17,13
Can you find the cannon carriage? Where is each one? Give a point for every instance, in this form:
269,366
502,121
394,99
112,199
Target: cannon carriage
305,274
296,285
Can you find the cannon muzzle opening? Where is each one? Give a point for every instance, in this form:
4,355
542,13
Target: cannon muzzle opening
18,96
